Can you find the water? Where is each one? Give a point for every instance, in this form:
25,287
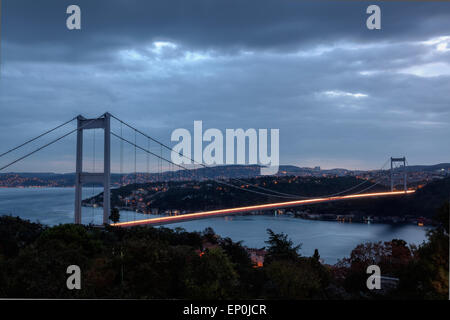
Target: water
334,240
52,206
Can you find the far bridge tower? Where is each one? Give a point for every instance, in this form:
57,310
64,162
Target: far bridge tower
402,162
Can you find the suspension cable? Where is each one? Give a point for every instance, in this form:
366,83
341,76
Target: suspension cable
323,196
48,144
216,180
181,154
184,168
281,194
35,138
370,187
358,185
201,164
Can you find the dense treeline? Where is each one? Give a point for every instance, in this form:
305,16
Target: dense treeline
163,263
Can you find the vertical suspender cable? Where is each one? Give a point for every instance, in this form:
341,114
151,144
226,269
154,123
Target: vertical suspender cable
93,170
121,156
148,161
135,174
160,166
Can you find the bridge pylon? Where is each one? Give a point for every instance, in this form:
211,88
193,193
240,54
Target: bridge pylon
104,178
402,161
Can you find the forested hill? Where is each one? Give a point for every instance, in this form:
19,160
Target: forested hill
207,195
424,202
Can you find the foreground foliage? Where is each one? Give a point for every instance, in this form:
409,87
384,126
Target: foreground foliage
150,263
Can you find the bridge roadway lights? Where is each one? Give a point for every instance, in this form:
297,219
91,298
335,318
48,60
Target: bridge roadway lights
104,178
267,206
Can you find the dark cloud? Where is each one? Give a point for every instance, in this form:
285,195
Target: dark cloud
217,24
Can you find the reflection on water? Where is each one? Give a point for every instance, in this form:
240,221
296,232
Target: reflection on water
334,240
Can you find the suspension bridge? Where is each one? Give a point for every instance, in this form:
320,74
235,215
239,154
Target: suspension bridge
103,177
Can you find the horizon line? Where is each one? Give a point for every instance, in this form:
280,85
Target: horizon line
232,165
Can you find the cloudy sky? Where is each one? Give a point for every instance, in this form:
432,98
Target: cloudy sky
341,95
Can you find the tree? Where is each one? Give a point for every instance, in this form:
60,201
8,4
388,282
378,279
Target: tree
212,276
236,252
15,234
426,277
281,248
316,255
250,282
209,235
115,215
292,280
288,274
39,270
391,257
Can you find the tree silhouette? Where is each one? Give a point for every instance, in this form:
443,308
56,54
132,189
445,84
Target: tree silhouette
281,248
316,255
115,215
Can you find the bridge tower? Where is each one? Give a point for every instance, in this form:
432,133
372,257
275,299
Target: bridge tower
402,161
104,177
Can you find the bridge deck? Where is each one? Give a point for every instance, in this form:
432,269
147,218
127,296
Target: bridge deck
268,206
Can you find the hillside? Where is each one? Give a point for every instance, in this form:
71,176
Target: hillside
424,202
419,173
209,195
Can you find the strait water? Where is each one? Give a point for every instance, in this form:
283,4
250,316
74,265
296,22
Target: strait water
334,240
